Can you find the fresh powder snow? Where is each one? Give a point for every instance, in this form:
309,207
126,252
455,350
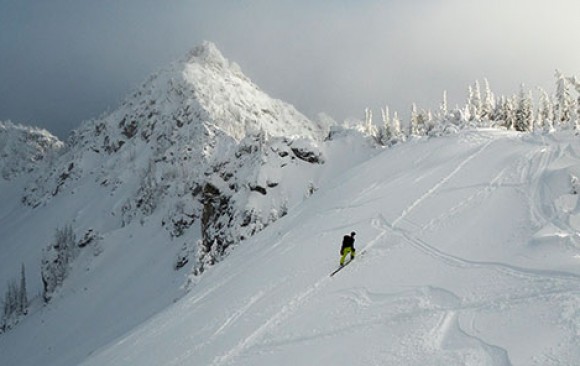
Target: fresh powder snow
471,258
211,216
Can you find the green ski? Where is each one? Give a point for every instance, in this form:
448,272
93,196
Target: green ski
341,267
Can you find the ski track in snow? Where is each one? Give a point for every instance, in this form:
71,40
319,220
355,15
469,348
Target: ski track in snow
430,192
461,262
284,313
530,169
555,283
441,306
281,315
229,320
456,261
300,299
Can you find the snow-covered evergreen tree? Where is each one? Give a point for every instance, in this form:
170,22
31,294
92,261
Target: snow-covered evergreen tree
564,101
509,112
488,104
443,107
23,295
499,112
368,127
546,112
470,107
385,132
398,135
524,117
575,82
9,305
475,102
538,121
414,121
577,121
56,260
15,303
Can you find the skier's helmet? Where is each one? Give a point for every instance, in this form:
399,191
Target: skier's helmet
352,234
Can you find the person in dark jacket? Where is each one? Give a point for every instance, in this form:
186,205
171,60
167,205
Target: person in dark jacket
347,247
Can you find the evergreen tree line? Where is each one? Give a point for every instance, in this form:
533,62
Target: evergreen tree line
520,112
15,301
55,267
56,260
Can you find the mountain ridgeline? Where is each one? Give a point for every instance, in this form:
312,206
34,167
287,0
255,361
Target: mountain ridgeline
190,142
199,149
108,240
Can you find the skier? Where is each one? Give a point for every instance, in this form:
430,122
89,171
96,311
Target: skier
347,247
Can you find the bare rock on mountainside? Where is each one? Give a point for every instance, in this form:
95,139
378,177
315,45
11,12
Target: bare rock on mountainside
171,139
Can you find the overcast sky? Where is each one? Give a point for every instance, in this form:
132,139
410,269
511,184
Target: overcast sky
65,61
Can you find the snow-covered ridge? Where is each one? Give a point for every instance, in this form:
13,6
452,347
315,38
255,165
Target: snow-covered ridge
192,163
462,239
236,105
173,146
450,271
23,149
187,110
208,54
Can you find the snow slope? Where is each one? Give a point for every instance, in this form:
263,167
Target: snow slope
468,255
193,162
129,274
468,244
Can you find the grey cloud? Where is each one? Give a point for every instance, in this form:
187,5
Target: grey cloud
65,61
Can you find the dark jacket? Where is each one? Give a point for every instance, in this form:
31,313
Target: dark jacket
347,242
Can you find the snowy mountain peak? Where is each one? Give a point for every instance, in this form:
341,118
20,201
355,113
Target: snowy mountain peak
198,149
202,91
462,239
208,54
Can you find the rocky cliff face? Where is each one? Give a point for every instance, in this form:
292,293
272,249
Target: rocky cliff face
253,188
197,144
